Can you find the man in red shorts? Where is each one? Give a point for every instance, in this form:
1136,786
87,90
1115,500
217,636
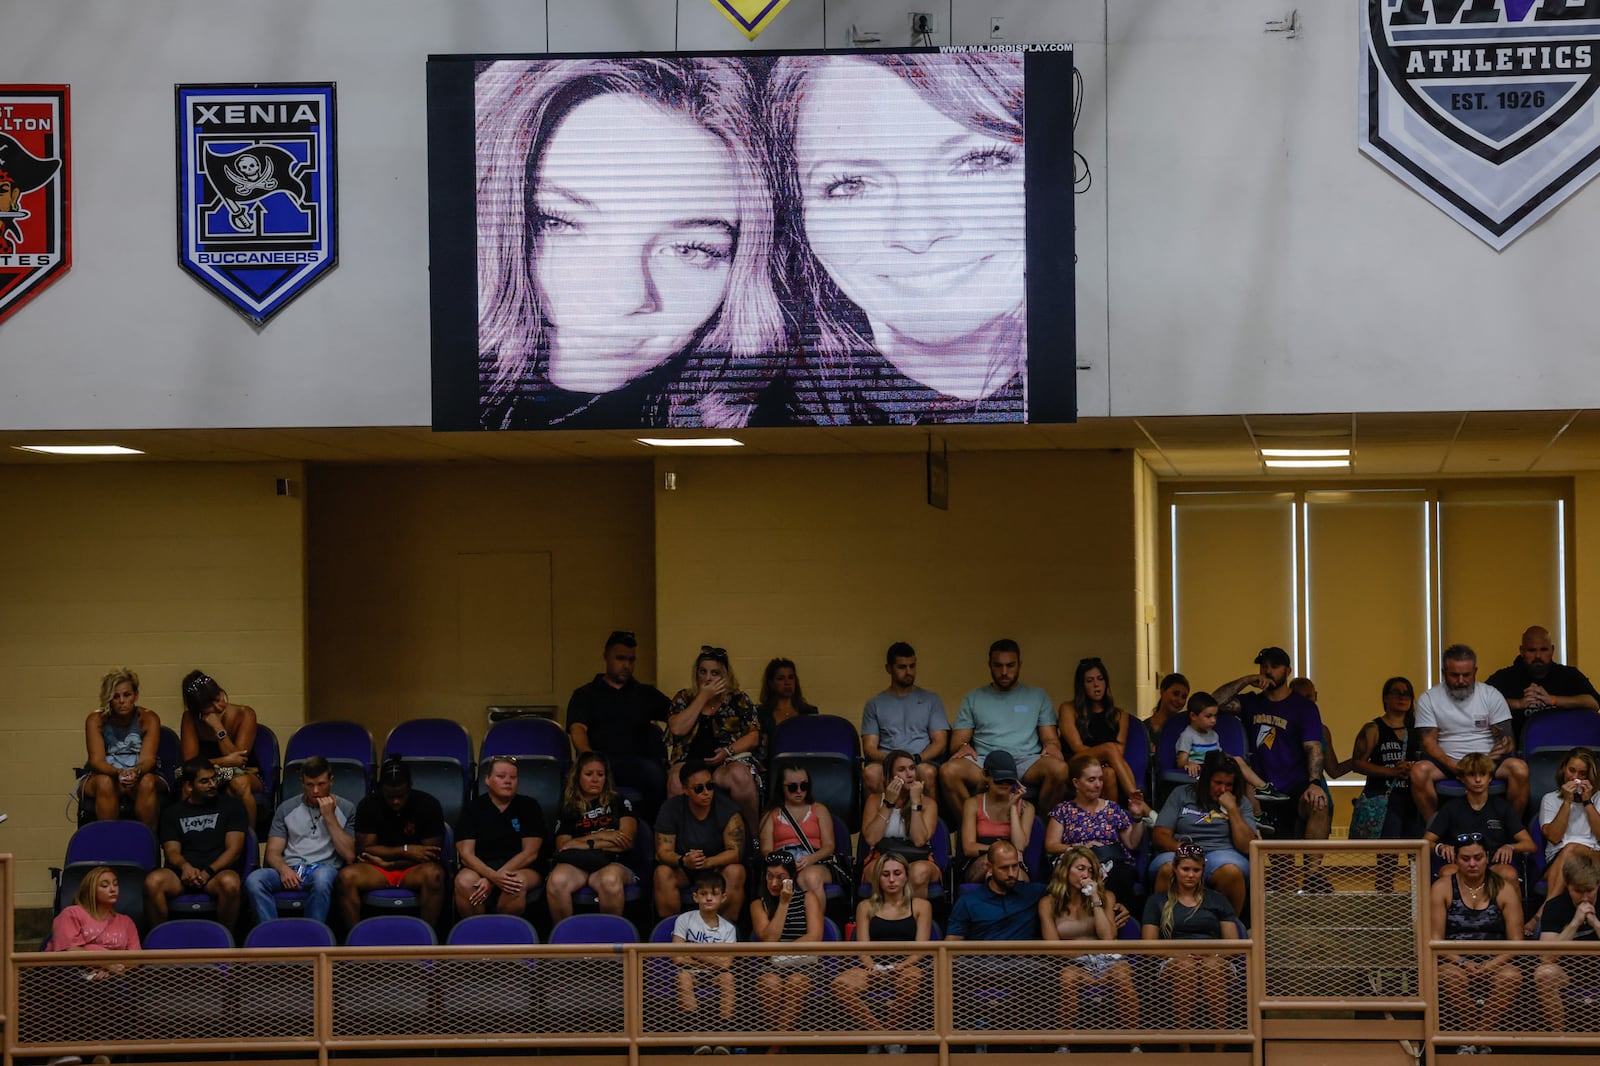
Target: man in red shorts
399,843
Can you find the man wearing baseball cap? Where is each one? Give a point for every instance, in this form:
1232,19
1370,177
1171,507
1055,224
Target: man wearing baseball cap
1284,730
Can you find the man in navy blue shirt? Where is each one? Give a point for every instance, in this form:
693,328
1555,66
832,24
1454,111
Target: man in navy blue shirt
1004,907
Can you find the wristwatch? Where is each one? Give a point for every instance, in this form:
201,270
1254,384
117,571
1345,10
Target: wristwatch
222,734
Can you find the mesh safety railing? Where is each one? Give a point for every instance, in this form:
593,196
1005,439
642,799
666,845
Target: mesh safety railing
1499,993
1340,924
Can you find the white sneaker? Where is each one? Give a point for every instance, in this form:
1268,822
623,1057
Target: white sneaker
1063,1050
66,1060
1136,1050
895,1049
1467,1049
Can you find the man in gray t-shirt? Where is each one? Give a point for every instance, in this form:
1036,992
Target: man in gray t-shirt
903,717
309,840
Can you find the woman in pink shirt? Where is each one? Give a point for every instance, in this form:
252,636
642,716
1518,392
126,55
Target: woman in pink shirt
92,922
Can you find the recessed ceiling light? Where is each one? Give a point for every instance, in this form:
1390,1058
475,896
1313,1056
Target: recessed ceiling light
1305,463
690,442
77,449
1306,453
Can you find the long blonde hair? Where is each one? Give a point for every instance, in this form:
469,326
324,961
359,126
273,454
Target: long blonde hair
879,900
1060,888
1186,853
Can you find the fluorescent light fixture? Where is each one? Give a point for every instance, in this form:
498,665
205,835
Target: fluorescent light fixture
1306,453
77,449
1308,463
690,442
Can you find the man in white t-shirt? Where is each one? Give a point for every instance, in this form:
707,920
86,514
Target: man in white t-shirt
1456,717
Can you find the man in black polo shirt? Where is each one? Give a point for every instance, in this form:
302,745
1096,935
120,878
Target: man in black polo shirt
1535,682
399,840
202,838
613,714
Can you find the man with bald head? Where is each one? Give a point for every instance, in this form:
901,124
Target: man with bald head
1535,682
1004,907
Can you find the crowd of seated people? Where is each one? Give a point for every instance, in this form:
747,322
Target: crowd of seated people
722,867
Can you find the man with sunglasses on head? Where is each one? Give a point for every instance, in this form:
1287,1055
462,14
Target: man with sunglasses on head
616,715
1479,818
1284,732
699,830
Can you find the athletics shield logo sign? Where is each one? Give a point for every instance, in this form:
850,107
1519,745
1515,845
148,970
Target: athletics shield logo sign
1485,107
35,245
256,221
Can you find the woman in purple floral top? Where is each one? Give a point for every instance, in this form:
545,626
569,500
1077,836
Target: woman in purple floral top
1089,820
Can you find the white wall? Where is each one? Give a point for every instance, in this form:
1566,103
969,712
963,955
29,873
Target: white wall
1235,252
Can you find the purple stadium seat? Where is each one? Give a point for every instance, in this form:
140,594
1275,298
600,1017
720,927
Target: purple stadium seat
438,752
128,848
196,935
543,754
290,933
594,929
169,757
271,762
829,748
391,930
346,745
493,930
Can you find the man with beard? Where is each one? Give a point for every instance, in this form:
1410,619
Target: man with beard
1456,717
1284,730
1005,715
1535,682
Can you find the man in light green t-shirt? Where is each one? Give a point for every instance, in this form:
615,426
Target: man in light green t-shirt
1005,715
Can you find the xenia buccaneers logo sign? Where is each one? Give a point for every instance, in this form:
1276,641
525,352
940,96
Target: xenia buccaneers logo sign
1485,107
34,236
256,217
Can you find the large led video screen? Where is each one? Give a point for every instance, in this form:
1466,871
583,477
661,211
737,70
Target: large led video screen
794,239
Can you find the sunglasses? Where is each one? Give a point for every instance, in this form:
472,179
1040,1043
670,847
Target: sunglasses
797,786
719,654
1469,838
701,788
1191,851
779,858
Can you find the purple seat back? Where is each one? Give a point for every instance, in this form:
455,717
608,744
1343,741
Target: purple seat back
433,738
809,734
191,934
290,933
493,930
594,929
114,843
518,737
391,930
1562,729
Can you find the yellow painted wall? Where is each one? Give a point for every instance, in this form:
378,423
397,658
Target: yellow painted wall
436,591
828,560
163,567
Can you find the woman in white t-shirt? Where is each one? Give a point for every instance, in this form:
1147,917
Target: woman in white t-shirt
1569,818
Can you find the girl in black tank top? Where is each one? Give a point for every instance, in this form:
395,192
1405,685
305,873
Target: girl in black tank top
784,914
892,915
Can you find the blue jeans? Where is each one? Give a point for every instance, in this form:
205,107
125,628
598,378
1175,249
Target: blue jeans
317,883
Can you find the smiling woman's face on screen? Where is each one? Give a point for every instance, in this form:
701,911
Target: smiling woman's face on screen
636,222
917,217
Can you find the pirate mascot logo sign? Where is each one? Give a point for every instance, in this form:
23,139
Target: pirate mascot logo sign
35,248
256,220
1485,107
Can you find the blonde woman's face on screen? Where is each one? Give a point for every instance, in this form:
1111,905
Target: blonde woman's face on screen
635,222
918,219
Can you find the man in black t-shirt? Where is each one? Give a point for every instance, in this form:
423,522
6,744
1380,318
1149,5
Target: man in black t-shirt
615,715
497,842
699,830
1535,682
399,844
202,839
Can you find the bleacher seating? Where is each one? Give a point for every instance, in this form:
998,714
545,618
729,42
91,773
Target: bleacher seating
128,847
438,753
346,745
543,755
829,749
